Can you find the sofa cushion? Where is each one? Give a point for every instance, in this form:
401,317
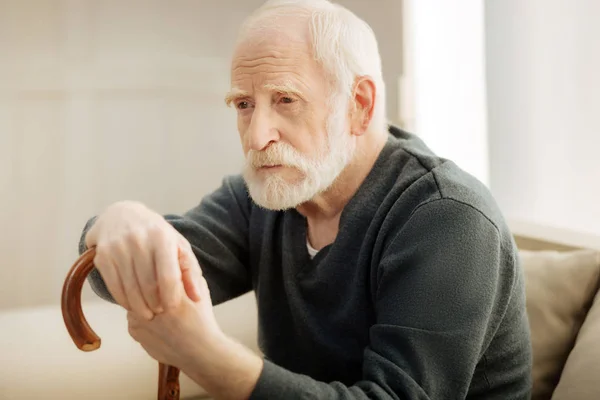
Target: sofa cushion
560,290
580,376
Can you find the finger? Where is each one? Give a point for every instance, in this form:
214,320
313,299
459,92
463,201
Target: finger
191,277
132,319
168,273
111,277
125,265
204,291
133,325
145,272
191,274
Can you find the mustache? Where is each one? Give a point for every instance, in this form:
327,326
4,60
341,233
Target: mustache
276,154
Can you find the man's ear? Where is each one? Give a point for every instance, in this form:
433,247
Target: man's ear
362,104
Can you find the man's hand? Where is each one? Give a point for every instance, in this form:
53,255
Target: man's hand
188,337
143,259
178,335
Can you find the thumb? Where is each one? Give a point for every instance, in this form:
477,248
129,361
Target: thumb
190,270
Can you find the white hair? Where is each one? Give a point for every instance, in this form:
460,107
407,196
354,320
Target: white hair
343,44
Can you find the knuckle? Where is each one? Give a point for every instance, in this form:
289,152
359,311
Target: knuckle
158,233
102,249
100,260
120,247
135,240
110,248
102,257
90,238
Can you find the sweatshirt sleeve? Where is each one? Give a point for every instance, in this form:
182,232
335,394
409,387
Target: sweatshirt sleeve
217,229
442,284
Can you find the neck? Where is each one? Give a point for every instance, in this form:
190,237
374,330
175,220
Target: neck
323,212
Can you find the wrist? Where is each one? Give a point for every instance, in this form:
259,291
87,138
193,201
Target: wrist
207,348
210,348
225,368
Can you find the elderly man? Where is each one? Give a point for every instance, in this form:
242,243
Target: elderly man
380,270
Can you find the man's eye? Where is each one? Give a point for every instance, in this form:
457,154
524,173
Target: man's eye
287,100
242,105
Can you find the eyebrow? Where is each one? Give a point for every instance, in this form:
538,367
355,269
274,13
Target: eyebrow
284,88
235,93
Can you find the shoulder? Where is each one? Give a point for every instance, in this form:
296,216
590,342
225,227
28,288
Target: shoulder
437,193
231,192
228,201
443,224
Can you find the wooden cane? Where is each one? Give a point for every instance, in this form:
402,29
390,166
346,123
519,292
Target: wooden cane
86,339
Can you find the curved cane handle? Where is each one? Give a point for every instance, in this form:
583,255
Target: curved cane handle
86,339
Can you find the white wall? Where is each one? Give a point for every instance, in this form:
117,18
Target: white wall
446,81
543,77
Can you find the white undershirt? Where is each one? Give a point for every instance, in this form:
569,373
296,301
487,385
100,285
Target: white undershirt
312,252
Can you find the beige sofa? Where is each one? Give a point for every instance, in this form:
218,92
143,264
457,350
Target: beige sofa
562,280
41,362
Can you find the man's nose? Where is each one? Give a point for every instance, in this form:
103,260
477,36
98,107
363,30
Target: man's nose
261,131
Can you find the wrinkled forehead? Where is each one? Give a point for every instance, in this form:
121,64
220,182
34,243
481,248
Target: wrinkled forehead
284,44
281,38
275,29
276,62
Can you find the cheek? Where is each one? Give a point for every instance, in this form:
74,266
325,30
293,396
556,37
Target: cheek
242,126
294,121
308,134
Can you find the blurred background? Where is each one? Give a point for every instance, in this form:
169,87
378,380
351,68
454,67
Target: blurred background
123,99
108,100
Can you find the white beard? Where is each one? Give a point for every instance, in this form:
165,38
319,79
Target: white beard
275,192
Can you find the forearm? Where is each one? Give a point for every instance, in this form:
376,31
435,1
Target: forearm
228,370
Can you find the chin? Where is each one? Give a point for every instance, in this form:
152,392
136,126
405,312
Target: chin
288,188
277,194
